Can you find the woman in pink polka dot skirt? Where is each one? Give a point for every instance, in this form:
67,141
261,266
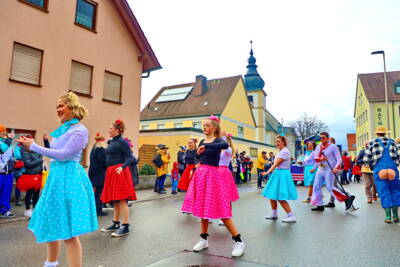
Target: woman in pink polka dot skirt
208,196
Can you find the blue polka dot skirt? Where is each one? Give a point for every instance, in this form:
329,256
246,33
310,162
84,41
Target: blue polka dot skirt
66,207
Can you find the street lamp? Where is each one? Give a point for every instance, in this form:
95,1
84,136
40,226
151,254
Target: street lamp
381,52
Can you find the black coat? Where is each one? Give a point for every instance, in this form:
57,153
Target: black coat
134,170
33,162
98,167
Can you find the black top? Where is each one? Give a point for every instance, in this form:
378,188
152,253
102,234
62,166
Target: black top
118,152
134,170
97,168
33,162
190,157
212,153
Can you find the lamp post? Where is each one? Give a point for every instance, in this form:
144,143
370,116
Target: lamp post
381,52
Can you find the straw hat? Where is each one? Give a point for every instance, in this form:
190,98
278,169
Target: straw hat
381,130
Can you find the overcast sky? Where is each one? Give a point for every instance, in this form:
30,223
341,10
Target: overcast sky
308,52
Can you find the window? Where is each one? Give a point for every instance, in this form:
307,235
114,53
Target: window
197,124
397,87
39,4
86,14
145,127
240,130
178,125
251,99
253,152
161,126
81,78
174,94
112,87
26,65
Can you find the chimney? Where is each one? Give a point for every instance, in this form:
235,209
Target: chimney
201,84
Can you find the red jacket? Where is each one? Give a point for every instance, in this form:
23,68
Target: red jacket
346,163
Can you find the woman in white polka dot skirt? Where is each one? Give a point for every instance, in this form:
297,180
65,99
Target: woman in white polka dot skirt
208,197
66,208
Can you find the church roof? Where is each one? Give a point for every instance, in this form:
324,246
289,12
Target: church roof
253,80
201,98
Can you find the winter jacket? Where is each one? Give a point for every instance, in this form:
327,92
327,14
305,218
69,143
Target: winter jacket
134,170
33,162
98,167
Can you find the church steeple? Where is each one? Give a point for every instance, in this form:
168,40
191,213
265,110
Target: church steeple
253,80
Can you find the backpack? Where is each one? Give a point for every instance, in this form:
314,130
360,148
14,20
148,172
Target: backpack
6,161
157,161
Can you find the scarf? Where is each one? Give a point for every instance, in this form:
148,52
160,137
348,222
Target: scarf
64,128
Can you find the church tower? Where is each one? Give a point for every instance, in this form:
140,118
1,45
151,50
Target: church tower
254,85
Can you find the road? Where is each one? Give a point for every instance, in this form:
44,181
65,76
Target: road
162,236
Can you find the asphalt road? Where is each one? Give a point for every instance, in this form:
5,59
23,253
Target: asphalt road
162,236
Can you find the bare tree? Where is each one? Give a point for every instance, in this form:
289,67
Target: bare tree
308,125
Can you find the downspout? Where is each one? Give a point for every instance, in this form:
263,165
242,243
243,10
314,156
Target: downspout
394,124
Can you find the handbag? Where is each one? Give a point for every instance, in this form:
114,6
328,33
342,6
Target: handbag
29,181
19,164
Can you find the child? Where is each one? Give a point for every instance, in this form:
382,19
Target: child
175,177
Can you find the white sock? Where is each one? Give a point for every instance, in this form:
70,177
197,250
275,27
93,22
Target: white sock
50,264
274,212
290,214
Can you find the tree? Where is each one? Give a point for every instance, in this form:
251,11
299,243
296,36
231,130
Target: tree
308,125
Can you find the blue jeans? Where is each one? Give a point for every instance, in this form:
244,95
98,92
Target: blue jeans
174,184
160,182
6,184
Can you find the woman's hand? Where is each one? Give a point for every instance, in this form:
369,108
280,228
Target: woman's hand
335,170
312,170
118,170
201,149
25,141
10,135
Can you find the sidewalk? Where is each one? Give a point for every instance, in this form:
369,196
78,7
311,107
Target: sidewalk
142,196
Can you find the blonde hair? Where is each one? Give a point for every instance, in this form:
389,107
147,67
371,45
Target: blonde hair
100,144
230,143
71,100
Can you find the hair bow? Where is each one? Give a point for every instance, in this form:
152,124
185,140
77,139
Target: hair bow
214,118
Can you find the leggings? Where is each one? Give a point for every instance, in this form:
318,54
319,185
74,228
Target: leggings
33,196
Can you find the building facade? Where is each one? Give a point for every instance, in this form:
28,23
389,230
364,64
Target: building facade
370,107
175,113
94,48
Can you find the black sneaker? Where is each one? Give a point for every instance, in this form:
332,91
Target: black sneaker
162,192
17,203
330,205
349,202
114,227
174,192
7,214
318,208
124,230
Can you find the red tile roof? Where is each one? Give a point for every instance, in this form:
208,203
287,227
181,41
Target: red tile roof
374,86
216,96
149,59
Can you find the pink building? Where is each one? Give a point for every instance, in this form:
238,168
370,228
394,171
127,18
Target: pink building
94,48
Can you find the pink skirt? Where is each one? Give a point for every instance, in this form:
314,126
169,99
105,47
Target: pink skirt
210,193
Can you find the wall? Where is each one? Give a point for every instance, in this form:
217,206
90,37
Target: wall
363,130
111,48
237,112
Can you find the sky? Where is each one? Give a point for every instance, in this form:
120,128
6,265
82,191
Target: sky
308,52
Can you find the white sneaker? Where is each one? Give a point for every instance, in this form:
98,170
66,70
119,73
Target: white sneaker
271,217
201,245
221,223
290,219
28,213
238,248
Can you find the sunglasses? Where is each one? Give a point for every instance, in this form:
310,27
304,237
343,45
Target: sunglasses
323,137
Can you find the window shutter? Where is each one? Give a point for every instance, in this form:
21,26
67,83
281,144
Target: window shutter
81,76
112,87
26,64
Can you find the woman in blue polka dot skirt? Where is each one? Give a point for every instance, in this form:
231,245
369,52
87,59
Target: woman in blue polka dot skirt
66,208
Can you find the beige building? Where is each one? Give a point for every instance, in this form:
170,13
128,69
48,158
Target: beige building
94,48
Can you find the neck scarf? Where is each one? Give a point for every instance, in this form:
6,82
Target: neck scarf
64,128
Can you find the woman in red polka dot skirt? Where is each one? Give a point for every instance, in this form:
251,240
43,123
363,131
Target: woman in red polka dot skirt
207,196
118,186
